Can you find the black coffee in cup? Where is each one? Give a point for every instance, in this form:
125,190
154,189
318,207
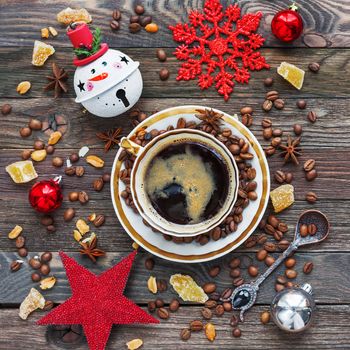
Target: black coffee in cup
187,182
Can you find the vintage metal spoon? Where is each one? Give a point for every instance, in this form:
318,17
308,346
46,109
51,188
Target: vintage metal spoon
243,297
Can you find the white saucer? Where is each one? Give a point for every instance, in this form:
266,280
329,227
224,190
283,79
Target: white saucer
193,252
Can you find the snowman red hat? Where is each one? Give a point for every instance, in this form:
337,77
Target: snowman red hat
107,82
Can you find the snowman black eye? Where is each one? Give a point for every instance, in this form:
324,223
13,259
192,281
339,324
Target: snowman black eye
93,71
104,63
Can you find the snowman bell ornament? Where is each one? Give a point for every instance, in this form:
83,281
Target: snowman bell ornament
107,82
292,309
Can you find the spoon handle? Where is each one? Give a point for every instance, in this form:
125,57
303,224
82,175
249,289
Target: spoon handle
292,247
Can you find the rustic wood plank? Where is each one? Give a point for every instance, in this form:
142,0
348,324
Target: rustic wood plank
332,76
331,330
325,24
329,270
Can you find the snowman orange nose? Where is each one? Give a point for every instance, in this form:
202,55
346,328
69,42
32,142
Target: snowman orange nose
99,77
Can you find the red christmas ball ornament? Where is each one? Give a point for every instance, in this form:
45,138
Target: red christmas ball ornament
287,25
46,196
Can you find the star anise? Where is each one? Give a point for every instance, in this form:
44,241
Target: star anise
110,137
57,80
209,118
291,150
89,249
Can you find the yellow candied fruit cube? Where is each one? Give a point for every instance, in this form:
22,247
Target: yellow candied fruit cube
22,171
44,33
187,288
292,74
282,197
69,15
41,53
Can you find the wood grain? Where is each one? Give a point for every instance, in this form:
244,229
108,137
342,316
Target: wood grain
325,23
330,331
332,76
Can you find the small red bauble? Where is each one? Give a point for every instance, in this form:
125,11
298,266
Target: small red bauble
46,196
287,25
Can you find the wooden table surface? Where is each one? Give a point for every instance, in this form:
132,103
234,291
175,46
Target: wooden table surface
326,39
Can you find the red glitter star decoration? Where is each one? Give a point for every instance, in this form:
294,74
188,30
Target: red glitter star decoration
219,39
97,301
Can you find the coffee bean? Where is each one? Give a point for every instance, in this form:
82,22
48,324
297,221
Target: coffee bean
209,287
246,110
266,123
35,124
277,132
234,321
236,332
163,313
70,171
51,228
34,263
25,132
235,272
311,197
271,95
309,164
215,296
267,105
311,229
22,252
98,184
253,271
289,284
261,239
35,277
290,262
261,254
269,229
234,149
251,173
145,20
15,266
99,220
279,103
265,317
298,129
314,67
273,221
83,197
280,176
267,133
45,269
149,264
26,154
48,305
134,27
46,220
269,260
159,302
276,141
69,214
311,175
46,257
270,150
164,74
6,109
73,196
278,235
139,9
116,15
50,149
282,227
235,262
281,279
74,157
301,104
210,304
268,82
226,294
134,19
57,162
250,242
279,287
289,178
247,120
38,144
207,313
106,177
219,310
185,334
196,326
151,306
162,285
214,271
312,116
308,266
303,230
20,242
174,305
291,274
270,247
238,281
283,244
79,171
227,306
161,55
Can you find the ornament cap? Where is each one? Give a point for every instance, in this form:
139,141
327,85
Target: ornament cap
307,288
294,7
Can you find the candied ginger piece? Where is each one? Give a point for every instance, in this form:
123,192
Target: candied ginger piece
41,53
34,300
282,197
69,15
187,288
292,74
22,171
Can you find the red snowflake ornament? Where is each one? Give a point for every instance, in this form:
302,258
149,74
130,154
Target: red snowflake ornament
219,39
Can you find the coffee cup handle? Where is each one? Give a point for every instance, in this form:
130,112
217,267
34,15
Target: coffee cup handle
130,146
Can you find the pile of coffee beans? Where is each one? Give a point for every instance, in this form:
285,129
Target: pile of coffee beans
272,99
310,170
